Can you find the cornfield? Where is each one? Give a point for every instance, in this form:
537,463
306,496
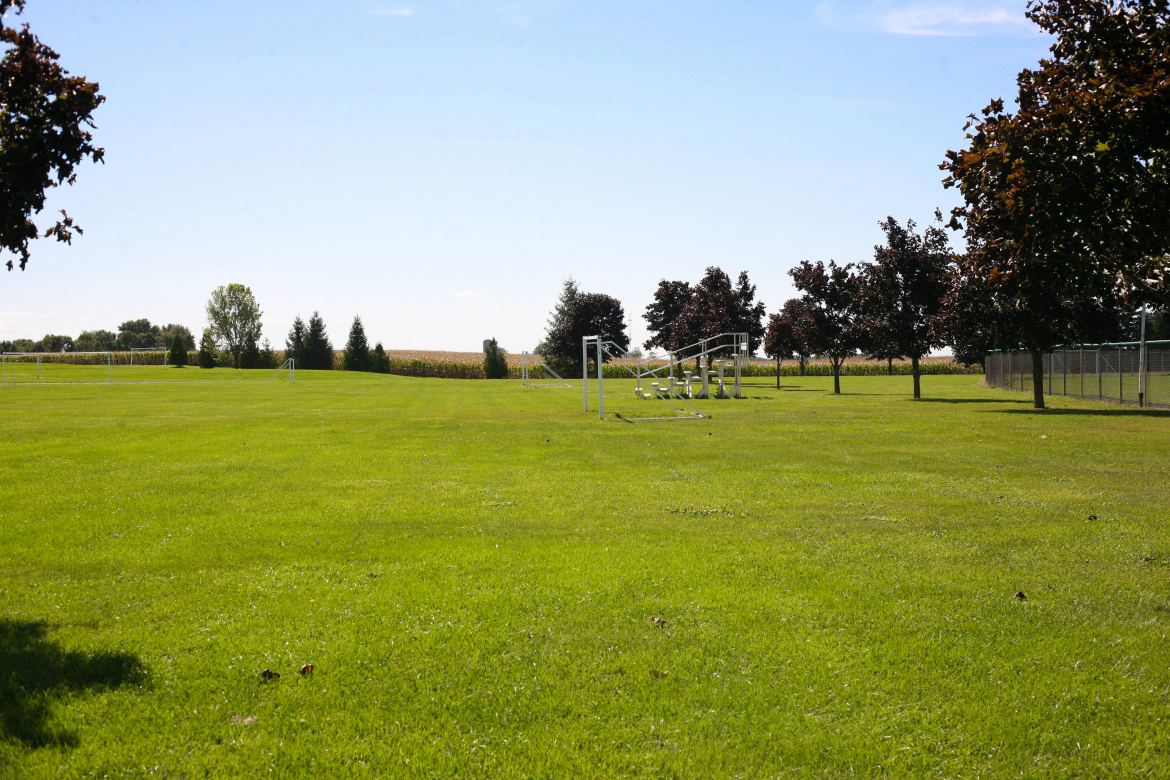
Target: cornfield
469,365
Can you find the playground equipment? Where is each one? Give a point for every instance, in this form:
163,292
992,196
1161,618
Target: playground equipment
719,370
524,374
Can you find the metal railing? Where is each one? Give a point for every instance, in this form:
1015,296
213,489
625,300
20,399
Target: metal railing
1105,372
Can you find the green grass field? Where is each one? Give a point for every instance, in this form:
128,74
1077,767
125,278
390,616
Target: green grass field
475,571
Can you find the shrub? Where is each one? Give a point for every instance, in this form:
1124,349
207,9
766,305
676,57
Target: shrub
178,352
379,360
208,354
495,365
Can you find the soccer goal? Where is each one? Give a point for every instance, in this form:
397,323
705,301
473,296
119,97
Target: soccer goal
166,352
526,374
22,368
288,367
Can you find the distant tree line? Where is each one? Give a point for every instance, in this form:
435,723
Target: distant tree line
132,334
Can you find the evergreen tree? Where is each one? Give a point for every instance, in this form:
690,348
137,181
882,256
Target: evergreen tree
495,365
207,350
357,349
294,345
379,360
178,356
318,348
569,291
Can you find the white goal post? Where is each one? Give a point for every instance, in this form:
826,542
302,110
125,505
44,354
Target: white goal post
526,377
290,366
9,358
165,350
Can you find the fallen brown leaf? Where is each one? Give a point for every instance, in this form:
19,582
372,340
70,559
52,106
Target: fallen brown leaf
307,669
269,675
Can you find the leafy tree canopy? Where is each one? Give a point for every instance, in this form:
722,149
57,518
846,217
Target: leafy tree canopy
234,318
588,314
44,116
831,294
682,315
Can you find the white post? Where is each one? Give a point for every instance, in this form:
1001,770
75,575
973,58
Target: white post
600,389
585,369
110,369
1142,362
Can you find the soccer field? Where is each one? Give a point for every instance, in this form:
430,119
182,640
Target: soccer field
489,582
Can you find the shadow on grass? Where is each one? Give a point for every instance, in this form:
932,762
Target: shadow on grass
35,671
975,401
1119,411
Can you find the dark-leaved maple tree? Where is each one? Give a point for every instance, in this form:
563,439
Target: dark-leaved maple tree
44,118
902,292
1065,200
832,294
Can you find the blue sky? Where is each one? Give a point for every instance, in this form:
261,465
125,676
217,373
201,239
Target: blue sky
440,167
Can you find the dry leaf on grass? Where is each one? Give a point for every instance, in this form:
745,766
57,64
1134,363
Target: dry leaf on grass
268,675
305,670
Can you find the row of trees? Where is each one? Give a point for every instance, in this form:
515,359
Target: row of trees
887,309
914,298
891,309
132,334
233,333
310,347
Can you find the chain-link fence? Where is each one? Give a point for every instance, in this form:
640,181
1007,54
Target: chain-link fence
1106,372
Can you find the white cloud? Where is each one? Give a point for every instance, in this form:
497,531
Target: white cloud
468,294
393,12
949,19
930,17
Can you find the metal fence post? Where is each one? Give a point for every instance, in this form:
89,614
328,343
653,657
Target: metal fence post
1142,362
1120,377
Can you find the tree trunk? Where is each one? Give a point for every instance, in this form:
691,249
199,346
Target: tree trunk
802,365
917,384
1037,378
836,375
891,367
777,373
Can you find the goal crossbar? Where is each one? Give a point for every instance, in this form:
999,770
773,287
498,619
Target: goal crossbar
5,357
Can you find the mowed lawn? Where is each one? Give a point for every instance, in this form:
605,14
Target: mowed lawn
490,582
